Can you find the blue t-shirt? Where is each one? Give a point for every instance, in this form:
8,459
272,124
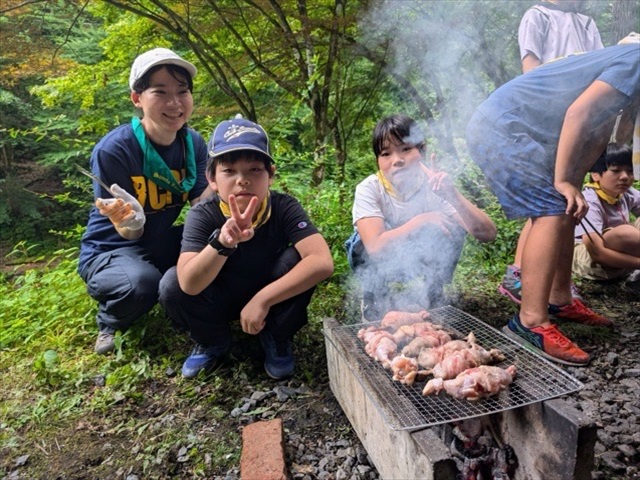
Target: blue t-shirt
536,102
118,158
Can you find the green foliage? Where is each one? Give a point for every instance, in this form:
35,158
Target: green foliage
25,215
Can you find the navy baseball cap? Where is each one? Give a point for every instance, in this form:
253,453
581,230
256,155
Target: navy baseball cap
239,134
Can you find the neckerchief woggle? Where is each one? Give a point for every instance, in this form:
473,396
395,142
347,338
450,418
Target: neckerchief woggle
262,217
156,169
611,200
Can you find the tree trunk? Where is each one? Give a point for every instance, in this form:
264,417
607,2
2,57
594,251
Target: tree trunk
625,18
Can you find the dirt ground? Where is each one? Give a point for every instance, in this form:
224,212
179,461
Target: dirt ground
106,446
103,447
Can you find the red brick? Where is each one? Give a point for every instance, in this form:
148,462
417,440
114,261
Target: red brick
263,451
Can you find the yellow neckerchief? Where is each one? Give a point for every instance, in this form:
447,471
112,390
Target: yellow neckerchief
264,212
391,190
602,194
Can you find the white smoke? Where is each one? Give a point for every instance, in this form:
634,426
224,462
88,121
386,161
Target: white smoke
454,53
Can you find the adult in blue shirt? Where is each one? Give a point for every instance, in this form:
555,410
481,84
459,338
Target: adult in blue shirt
535,138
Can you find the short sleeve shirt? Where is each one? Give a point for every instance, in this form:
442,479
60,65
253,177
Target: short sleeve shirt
550,33
602,215
372,200
118,158
536,103
287,225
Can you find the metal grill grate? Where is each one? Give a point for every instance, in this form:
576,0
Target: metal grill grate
404,408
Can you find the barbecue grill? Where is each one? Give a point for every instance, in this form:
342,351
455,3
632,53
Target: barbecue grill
404,408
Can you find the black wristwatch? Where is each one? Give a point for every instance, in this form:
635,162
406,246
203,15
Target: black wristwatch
215,243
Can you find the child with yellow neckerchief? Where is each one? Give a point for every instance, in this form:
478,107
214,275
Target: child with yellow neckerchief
249,254
410,224
608,242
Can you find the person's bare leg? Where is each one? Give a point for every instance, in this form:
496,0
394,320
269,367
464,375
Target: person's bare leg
624,239
546,242
561,287
522,240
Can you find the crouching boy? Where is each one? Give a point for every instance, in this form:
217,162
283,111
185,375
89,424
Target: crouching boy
249,254
608,244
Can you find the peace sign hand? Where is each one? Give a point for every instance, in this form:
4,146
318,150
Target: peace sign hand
238,228
439,181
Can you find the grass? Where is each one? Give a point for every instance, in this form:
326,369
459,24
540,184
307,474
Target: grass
57,398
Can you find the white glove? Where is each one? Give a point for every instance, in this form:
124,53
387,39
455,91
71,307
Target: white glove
124,210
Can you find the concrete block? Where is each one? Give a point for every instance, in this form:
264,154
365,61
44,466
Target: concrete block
552,440
395,453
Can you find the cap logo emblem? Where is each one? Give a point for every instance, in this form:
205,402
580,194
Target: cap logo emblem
234,131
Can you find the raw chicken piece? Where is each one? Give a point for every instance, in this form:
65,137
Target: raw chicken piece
365,334
434,333
404,334
372,342
474,383
384,351
395,320
430,357
426,340
404,369
456,362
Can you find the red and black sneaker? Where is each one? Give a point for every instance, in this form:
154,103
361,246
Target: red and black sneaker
549,342
578,312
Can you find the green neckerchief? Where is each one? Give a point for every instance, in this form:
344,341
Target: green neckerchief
156,169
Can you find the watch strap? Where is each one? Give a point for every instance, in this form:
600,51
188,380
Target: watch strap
219,247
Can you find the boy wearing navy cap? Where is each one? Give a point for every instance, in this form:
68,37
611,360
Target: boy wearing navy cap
249,253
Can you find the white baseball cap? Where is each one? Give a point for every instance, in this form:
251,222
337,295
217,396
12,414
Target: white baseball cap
157,56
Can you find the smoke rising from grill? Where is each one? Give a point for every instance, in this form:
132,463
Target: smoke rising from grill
447,56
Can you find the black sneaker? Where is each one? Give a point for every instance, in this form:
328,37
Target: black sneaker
202,358
279,361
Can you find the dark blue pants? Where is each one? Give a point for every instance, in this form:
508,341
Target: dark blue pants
208,315
125,281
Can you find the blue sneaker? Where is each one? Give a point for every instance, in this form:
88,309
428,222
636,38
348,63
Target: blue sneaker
202,358
511,285
279,361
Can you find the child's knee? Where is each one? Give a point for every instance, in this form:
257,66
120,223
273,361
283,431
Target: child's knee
623,238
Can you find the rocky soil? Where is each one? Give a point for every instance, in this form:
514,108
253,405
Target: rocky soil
320,443
610,397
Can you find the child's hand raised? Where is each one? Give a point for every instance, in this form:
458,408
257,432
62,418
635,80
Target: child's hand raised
238,227
439,181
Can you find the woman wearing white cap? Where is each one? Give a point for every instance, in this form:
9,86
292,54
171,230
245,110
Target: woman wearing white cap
154,165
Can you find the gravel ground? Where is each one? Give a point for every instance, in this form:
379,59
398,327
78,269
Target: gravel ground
610,399
319,441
